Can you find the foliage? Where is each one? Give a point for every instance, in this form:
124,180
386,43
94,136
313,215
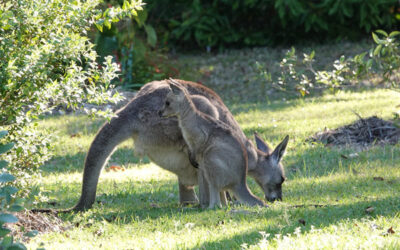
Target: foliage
134,45
203,25
385,57
223,23
380,65
8,201
48,60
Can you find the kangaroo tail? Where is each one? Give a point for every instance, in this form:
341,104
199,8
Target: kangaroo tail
109,136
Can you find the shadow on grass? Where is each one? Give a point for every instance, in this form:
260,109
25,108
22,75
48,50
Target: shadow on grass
73,163
319,218
124,203
157,200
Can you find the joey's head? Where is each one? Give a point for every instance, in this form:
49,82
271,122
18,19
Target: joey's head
173,102
270,173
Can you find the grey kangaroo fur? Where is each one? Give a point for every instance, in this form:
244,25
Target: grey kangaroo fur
161,140
220,154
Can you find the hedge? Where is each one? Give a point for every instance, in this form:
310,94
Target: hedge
238,23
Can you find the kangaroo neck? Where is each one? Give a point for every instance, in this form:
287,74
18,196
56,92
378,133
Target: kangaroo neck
251,154
191,124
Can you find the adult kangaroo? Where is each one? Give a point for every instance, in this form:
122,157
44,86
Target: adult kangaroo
161,140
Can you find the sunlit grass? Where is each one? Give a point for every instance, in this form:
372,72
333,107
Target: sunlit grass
138,208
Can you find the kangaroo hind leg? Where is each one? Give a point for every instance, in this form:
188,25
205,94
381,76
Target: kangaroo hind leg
215,199
224,201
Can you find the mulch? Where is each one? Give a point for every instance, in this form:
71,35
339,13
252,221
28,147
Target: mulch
40,222
362,133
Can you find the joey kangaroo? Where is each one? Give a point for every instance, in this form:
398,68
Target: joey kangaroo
221,156
203,105
161,140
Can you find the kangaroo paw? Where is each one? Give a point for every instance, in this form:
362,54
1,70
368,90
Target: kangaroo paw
187,195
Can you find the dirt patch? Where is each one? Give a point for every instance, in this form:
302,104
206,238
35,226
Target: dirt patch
36,223
362,133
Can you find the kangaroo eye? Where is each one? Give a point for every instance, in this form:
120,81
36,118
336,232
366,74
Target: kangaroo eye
167,103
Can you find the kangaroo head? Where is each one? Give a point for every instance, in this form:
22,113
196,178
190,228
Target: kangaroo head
269,173
173,102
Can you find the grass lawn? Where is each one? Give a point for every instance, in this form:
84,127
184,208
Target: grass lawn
138,208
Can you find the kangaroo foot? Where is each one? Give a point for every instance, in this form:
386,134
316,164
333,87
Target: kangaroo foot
187,195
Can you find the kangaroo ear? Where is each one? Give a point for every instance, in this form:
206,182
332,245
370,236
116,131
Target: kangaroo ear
280,149
261,145
175,89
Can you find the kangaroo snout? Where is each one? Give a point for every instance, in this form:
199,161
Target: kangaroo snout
160,113
273,197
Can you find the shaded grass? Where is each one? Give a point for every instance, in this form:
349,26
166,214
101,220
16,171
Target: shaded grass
235,77
138,208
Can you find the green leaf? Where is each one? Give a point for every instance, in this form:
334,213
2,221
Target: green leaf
141,18
15,208
6,147
10,189
3,133
32,233
369,64
7,241
125,5
4,231
6,177
151,35
3,164
107,24
394,33
376,38
382,32
377,50
99,27
16,246
312,55
8,218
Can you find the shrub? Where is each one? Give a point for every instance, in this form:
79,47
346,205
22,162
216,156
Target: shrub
134,45
222,23
47,60
8,203
380,65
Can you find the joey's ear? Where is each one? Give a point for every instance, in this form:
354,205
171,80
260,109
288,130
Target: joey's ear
261,145
176,89
280,149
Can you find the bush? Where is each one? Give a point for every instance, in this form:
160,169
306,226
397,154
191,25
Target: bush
47,60
380,66
134,46
8,203
223,23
